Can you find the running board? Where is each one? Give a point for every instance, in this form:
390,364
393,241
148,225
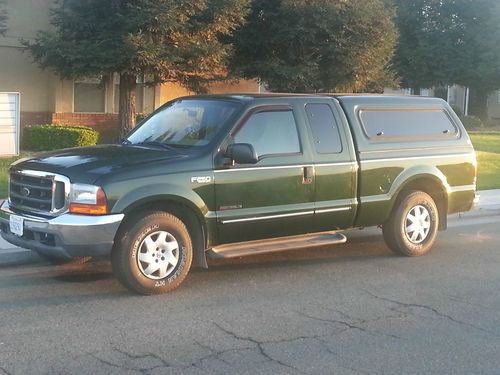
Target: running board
274,245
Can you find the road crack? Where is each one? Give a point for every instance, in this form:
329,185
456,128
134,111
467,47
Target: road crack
431,309
354,324
133,357
260,346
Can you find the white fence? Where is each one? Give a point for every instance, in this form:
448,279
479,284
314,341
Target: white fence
9,123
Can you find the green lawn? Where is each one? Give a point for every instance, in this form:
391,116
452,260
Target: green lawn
487,146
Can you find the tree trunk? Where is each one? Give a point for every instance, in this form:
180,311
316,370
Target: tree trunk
479,103
416,91
127,111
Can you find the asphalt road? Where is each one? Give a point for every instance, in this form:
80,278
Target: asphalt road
350,309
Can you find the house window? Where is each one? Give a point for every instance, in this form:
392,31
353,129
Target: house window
89,95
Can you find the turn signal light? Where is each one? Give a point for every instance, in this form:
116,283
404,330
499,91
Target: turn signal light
100,207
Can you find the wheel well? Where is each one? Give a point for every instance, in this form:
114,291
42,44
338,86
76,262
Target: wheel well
185,213
437,192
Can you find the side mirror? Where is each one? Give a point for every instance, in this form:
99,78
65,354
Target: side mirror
242,153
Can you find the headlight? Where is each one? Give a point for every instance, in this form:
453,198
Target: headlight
87,200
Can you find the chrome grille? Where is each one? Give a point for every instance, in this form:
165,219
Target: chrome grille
38,191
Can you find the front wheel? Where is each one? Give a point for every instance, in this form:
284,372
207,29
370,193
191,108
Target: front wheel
154,254
412,228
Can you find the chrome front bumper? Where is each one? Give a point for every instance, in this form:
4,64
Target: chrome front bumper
65,236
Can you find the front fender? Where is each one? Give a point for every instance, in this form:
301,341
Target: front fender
150,193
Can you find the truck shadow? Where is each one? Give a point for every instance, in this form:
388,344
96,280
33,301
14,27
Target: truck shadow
61,285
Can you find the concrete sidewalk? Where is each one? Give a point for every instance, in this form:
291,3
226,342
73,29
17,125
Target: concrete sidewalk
488,205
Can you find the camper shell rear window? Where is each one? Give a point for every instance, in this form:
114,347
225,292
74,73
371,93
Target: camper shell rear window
406,124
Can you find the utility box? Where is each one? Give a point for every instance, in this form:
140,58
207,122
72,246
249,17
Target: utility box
9,123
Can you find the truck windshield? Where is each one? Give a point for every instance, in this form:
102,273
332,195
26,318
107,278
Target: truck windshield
184,123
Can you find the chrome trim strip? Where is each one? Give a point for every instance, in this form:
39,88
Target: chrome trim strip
416,157
285,167
257,218
5,209
262,168
86,220
334,164
457,189
374,198
332,210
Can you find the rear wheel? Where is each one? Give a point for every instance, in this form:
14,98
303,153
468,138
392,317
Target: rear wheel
412,228
154,254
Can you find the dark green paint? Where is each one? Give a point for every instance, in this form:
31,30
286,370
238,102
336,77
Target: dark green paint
361,183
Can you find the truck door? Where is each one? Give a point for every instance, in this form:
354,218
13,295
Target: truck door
275,196
334,163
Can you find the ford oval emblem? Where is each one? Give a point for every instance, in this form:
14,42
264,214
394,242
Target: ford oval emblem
25,192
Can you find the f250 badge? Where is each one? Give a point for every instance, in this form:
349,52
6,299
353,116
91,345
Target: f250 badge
201,180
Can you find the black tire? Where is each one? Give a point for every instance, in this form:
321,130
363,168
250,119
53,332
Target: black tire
161,240
401,235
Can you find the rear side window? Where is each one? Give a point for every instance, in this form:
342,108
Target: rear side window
324,129
411,124
270,133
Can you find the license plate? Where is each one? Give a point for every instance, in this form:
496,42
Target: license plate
16,225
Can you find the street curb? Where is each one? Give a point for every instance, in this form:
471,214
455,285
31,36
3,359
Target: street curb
477,212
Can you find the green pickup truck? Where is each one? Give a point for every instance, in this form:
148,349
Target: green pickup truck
223,176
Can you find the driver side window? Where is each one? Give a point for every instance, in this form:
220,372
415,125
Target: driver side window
270,133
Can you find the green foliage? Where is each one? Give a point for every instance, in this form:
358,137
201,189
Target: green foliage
486,141
53,137
4,175
487,147
488,170
458,111
449,42
471,122
162,40
317,45
141,116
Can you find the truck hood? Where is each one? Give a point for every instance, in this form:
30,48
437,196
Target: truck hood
87,164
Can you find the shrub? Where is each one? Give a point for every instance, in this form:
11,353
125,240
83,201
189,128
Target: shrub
471,122
53,137
457,110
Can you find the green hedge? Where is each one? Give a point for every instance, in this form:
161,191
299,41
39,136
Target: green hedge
141,116
53,137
